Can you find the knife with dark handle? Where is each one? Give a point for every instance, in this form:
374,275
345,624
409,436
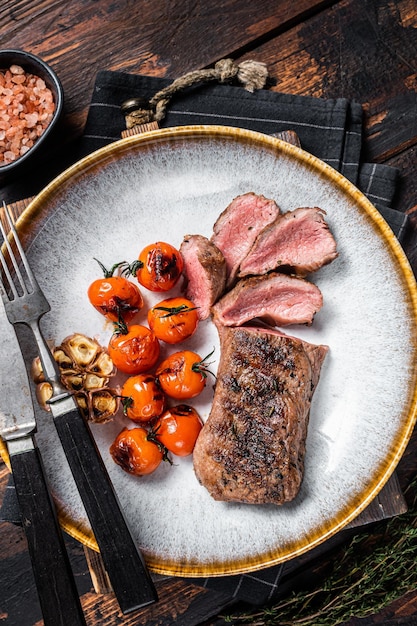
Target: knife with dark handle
58,595
125,566
57,591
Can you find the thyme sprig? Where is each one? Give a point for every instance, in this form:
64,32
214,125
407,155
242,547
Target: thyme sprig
202,367
175,310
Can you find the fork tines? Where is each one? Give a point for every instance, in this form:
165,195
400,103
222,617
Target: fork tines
14,281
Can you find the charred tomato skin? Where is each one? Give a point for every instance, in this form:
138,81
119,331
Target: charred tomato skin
115,297
180,376
159,266
178,428
173,320
135,453
143,399
135,350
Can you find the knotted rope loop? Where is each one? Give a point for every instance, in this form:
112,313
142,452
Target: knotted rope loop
252,75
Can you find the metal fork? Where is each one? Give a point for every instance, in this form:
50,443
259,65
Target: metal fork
57,591
25,303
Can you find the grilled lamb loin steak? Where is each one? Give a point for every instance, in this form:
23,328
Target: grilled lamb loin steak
238,226
252,447
298,239
277,299
204,271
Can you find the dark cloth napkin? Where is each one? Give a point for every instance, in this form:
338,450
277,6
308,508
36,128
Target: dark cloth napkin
329,129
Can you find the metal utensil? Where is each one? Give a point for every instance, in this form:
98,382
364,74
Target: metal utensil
58,595
129,577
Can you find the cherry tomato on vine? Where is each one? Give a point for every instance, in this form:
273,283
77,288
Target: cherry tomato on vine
133,349
115,296
178,428
183,374
135,452
142,398
173,319
158,267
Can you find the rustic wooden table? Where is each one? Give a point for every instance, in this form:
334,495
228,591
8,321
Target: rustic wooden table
364,50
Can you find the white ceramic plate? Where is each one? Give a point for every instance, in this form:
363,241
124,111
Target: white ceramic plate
161,186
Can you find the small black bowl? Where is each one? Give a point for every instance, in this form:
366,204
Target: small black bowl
33,65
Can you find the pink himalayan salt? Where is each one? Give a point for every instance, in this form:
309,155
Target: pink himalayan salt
26,109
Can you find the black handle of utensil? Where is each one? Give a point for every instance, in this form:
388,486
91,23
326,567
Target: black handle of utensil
127,571
57,591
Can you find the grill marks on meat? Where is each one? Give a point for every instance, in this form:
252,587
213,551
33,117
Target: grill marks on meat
204,271
277,299
239,225
299,239
252,447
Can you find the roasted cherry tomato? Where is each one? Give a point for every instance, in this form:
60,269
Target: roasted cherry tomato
115,297
142,398
135,453
173,320
133,349
159,266
178,428
183,374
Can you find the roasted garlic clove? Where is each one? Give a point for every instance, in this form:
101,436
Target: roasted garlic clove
36,371
82,401
73,382
81,349
43,394
103,365
104,403
92,381
85,369
64,361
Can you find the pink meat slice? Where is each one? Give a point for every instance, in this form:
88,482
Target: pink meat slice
238,226
275,298
299,239
204,271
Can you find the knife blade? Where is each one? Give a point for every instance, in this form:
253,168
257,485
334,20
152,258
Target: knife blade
57,591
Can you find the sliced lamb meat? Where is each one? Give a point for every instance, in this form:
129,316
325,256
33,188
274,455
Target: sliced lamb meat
278,299
204,271
238,226
252,447
299,239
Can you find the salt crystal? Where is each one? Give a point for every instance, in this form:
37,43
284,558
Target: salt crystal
9,156
16,69
19,79
31,119
26,109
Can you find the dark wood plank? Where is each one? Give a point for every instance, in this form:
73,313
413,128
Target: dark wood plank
388,503
358,50
150,38
406,197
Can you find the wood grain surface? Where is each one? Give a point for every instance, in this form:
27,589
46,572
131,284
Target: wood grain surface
358,49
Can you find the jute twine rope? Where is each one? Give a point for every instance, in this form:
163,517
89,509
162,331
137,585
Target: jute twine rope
252,75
